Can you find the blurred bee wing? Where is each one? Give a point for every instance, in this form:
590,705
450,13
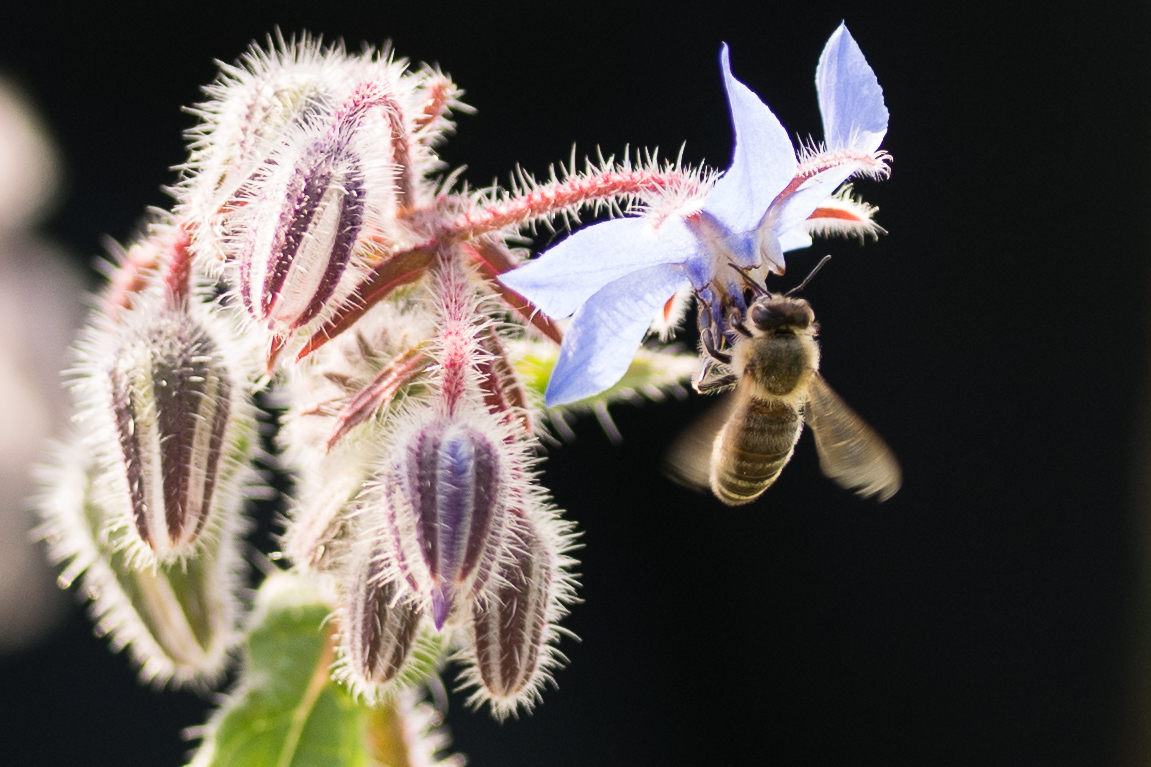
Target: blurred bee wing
688,460
849,451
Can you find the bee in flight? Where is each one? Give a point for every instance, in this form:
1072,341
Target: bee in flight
740,450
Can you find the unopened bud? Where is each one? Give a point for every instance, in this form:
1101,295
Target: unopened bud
251,109
172,405
378,628
511,627
300,238
178,619
445,494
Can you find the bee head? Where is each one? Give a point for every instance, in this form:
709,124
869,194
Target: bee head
770,313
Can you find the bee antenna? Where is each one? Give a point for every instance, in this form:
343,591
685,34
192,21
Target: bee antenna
810,274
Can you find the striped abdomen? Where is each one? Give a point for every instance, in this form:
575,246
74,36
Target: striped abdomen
752,449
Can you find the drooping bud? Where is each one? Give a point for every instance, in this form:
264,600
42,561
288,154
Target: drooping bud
299,232
178,619
514,623
444,494
378,627
172,400
301,238
252,108
510,627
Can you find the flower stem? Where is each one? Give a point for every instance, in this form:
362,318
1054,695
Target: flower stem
550,199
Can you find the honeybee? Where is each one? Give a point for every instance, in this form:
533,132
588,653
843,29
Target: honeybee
740,450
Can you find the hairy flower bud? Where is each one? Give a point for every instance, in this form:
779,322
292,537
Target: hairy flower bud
301,236
510,629
178,619
514,622
172,403
444,496
310,202
378,627
161,387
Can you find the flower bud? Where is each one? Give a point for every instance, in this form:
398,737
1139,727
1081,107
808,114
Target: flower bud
300,237
251,110
378,628
172,404
511,627
445,499
178,619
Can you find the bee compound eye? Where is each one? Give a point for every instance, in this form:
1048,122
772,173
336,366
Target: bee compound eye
760,315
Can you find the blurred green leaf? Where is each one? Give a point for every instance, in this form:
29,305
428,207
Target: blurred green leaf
652,373
287,712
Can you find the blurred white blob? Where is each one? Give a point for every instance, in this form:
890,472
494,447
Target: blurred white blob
40,306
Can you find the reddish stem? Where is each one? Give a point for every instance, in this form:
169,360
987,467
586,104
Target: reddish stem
503,392
169,252
553,198
366,96
399,269
457,332
178,267
493,260
433,109
379,391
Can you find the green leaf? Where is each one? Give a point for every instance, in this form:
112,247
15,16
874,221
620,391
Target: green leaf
287,711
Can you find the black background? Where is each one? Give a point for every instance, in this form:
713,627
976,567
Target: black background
997,338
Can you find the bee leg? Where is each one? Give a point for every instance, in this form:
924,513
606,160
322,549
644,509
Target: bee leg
707,337
708,331
719,382
699,377
736,323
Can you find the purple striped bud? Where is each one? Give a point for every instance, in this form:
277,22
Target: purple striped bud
178,619
378,628
445,493
300,238
511,626
172,406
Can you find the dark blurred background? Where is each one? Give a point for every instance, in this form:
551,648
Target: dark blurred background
993,612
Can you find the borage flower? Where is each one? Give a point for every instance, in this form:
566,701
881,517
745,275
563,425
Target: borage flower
615,276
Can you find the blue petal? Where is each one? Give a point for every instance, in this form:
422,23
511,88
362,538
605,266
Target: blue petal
797,206
794,239
560,280
717,247
606,332
850,98
763,163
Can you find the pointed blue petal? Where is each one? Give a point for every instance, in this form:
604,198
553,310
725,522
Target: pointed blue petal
850,98
797,206
560,280
606,332
763,163
794,239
